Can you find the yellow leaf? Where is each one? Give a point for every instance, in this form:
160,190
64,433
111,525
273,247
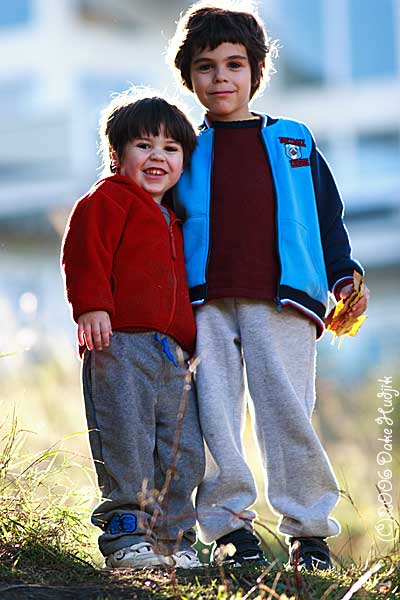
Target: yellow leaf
340,321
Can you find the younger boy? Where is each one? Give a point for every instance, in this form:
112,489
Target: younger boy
264,243
125,279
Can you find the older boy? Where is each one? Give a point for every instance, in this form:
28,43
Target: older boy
264,243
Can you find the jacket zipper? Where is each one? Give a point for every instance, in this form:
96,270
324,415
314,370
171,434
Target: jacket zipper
173,253
209,216
277,298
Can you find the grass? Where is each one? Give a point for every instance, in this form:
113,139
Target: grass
47,548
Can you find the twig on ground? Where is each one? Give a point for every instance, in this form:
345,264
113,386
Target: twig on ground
259,579
363,579
163,497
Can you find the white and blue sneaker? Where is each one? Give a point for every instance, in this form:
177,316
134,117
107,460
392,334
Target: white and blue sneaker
186,559
137,556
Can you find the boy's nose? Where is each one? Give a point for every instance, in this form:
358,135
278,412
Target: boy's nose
157,154
220,75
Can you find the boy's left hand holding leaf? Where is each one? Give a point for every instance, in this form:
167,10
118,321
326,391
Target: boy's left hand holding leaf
345,318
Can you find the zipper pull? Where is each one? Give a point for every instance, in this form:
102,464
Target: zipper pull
278,303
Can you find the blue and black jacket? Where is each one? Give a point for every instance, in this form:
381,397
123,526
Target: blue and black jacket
312,242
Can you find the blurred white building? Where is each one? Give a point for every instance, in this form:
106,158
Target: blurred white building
338,70
62,62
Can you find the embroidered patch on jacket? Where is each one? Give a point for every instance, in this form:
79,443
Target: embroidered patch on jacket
300,162
293,150
293,141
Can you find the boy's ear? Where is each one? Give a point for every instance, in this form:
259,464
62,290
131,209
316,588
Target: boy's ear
260,69
113,155
114,161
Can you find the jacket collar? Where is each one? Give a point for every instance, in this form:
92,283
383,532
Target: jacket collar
207,124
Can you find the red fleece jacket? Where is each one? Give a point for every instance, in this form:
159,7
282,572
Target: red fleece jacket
119,255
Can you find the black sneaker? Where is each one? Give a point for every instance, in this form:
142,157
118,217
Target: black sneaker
237,548
309,553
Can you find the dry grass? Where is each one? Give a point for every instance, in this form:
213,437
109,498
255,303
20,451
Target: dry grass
47,549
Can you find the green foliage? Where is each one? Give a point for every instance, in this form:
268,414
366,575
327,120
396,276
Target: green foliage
47,547
42,522
45,541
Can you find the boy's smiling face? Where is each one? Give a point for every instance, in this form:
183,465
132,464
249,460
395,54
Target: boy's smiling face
221,80
154,163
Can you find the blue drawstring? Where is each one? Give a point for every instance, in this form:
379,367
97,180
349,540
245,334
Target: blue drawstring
166,348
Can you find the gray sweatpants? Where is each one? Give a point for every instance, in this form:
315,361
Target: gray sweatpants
133,393
278,352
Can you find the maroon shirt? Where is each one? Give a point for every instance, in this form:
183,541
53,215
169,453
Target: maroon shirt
243,260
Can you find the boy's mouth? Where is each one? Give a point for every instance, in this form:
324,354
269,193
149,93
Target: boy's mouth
154,171
221,93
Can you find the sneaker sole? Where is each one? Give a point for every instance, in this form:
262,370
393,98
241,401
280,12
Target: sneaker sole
188,567
146,563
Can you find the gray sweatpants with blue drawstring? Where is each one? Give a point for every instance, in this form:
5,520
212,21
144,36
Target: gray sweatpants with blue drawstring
133,393
278,353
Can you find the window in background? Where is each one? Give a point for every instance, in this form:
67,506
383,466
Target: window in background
300,33
378,155
22,171
372,32
329,152
18,94
34,147
324,146
339,154
122,16
15,12
98,90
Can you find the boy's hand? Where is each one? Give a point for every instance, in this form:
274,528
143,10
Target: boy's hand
344,318
94,329
361,305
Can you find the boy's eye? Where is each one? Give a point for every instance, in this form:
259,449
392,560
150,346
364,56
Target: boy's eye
172,148
143,145
234,65
204,67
